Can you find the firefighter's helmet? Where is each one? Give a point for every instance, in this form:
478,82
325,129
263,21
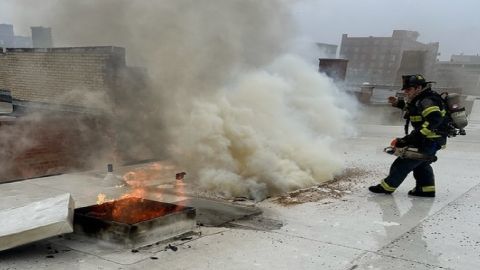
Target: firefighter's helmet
413,81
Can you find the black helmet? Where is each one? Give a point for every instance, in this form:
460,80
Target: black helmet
413,81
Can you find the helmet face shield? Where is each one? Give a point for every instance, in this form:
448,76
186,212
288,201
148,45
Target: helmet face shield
413,81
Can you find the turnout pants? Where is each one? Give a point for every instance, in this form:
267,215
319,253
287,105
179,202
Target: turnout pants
401,167
422,171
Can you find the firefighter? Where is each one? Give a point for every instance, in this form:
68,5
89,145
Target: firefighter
425,110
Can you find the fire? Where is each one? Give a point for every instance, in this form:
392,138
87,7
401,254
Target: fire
141,176
134,178
124,207
102,198
135,193
180,188
133,210
121,208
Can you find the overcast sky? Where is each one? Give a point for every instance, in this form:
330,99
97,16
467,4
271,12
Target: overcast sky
455,24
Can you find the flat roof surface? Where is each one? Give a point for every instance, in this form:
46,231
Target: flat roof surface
358,230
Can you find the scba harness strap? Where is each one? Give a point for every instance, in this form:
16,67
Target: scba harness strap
438,106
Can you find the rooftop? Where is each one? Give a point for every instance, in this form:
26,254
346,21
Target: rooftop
335,226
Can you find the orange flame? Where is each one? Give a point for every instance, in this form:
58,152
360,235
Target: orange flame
123,207
141,176
102,198
134,210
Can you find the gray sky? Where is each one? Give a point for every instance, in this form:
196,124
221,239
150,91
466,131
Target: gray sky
455,24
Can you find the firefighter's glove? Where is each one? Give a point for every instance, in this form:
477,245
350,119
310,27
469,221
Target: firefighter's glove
393,101
399,142
414,139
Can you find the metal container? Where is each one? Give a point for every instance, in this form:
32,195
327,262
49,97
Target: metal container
134,222
458,113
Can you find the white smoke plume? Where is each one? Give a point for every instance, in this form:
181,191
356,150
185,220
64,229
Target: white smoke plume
232,106
274,128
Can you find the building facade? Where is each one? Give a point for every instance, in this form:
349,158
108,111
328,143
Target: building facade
382,60
461,72
23,42
466,59
327,50
41,37
7,38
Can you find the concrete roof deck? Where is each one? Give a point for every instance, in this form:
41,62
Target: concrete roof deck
357,231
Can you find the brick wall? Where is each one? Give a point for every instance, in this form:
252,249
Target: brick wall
62,75
70,94
38,145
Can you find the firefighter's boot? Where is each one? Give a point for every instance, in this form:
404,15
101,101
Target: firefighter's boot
379,189
428,191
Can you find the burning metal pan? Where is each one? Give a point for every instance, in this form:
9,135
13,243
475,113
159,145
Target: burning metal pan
134,222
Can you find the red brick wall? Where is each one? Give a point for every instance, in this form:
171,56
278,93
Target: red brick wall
91,79
34,147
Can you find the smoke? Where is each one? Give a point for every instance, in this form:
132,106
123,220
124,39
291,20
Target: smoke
307,48
272,128
226,100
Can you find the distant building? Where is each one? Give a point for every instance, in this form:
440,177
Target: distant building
414,62
467,59
23,42
42,37
382,60
6,36
328,50
461,72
